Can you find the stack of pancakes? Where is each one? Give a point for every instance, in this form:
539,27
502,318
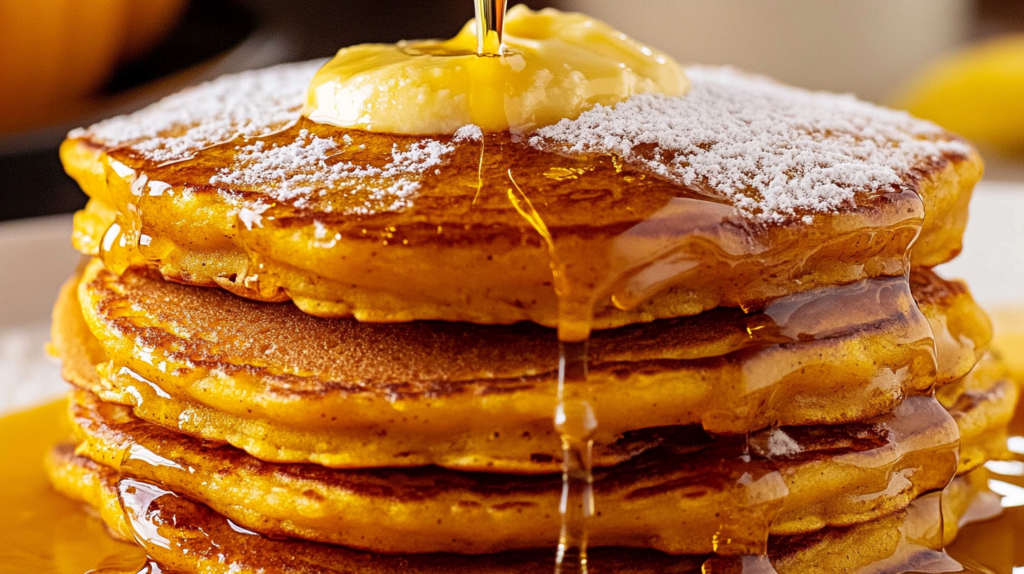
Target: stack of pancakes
301,348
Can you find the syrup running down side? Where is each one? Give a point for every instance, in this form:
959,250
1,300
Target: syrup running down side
576,423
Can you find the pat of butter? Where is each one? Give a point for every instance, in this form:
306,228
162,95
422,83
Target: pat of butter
554,65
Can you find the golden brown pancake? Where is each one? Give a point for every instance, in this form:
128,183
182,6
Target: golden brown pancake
984,429
736,194
684,496
190,537
288,387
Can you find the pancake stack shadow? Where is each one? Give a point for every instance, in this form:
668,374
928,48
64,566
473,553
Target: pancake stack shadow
300,348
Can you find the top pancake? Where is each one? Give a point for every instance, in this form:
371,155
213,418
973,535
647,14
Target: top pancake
740,192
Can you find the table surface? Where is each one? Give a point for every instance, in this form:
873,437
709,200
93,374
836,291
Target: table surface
36,258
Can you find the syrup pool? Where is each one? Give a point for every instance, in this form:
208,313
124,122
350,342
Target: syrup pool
43,532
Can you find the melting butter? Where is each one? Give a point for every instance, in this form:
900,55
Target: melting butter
553,65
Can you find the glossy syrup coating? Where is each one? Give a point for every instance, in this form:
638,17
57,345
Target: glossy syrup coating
191,538
682,497
289,387
470,228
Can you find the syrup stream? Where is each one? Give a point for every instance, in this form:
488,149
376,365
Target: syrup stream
490,19
575,421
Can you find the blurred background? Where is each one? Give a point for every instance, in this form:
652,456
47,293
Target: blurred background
67,63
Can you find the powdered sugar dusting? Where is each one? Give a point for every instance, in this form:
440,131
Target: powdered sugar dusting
294,169
781,444
249,104
775,151
469,132
311,164
250,216
418,158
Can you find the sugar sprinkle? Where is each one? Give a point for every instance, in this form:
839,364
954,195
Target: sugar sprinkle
468,133
293,172
773,150
249,104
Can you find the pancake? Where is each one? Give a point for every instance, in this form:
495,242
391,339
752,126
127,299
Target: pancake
189,537
984,429
658,208
288,387
682,497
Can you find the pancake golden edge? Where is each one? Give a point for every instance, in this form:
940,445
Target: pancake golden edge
487,264
674,498
191,538
477,401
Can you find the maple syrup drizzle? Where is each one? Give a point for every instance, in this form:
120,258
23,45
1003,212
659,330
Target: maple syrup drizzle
575,419
126,243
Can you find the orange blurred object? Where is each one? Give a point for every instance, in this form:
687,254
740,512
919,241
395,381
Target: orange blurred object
54,53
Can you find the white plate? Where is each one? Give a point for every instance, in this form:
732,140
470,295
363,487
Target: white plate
36,258
993,258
